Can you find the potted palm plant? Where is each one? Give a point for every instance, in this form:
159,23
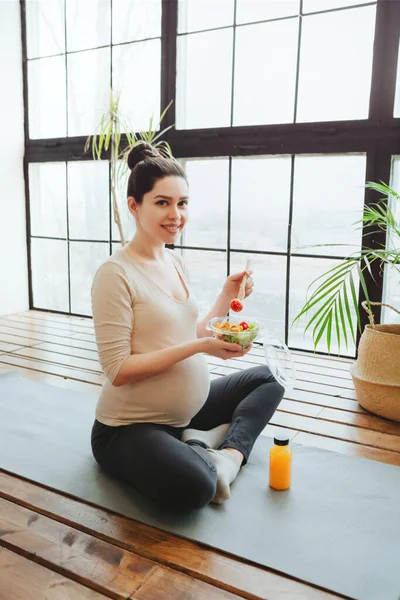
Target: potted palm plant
115,131
376,372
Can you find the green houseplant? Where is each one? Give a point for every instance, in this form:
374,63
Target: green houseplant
376,372
115,132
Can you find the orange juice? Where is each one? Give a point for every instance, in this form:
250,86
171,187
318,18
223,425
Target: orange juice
280,463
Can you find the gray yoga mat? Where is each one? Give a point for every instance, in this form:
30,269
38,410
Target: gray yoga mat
337,527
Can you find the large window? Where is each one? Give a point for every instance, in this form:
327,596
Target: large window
281,112
257,62
77,50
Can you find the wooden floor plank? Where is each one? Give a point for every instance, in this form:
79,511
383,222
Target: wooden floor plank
58,380
319,359
7,334
60,359
341,379
366,421
330,390
349,448
343,383
85,325
299,408
68,350
252,358
310,366
209,565
7,347
35,365
323,400
46,326
39,330
16,340
22,579
337,430
166,584
51,317
79,556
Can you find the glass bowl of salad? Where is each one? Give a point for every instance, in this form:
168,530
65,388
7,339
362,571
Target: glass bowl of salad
235,329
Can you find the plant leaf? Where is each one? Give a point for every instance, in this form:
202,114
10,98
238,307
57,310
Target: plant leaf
363,284
355,300
342,319
321,331
348,312
337,324
330,301
329,332
108,135
341,266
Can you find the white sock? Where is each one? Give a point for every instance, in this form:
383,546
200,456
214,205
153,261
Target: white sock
227,469
213,438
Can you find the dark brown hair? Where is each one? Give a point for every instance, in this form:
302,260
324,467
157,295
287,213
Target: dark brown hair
147,166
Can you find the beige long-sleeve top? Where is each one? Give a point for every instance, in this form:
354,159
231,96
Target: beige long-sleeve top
133,315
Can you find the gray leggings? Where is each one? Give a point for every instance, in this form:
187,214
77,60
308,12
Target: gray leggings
156,463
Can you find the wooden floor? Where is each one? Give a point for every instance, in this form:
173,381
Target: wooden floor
52,546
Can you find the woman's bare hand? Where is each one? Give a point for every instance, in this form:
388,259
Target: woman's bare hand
224,350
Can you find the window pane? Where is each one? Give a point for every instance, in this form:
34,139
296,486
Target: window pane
135,20
391,287
328,199
88,90
335,70
264,89
248,11
88,200
207,271
194,15
127,219
46,91
208,204
317,5
260,202
267,302
204,79
136,72
303,271
85,259
88,24
397,92
50,274
47,195
45,28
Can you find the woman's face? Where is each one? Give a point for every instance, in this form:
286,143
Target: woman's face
163,212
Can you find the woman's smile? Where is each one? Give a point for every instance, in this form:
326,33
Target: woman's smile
173,229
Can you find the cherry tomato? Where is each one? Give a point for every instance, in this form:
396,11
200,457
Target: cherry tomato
236,305
244,325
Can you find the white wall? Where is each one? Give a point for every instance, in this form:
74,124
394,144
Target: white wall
13,258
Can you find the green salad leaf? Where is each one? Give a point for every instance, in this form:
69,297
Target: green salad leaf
244,338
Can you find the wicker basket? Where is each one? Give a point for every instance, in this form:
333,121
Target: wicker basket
376,372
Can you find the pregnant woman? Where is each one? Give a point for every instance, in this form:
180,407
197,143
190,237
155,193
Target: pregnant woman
160,425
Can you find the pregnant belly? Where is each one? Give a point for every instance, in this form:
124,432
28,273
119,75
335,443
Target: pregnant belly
189,385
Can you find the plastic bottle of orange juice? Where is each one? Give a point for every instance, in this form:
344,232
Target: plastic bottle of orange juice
280,463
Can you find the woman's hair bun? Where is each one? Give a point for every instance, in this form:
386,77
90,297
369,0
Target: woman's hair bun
140,151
